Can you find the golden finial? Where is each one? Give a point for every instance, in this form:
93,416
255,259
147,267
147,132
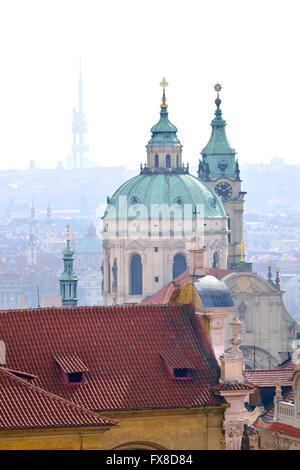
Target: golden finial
277,269
164,84
68,232
242,247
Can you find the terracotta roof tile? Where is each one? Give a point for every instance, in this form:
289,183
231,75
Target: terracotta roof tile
176,359
120,345
239,386
70,363
24,406
268,377
279,427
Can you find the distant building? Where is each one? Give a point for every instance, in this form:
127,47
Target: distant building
89,251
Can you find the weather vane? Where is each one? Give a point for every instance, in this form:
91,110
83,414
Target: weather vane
218,88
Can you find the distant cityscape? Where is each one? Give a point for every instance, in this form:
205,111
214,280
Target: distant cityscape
48,200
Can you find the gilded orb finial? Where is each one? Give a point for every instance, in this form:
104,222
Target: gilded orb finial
68,232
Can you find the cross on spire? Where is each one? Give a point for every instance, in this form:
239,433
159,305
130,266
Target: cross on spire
242,247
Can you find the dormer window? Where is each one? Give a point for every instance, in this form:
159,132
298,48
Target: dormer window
177,365
71,368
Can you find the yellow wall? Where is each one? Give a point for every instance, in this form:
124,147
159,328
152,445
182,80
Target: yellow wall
188,294
53,439
186,429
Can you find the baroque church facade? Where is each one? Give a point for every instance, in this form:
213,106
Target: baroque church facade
146,245
152,220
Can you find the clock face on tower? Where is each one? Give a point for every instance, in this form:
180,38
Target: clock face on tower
224,190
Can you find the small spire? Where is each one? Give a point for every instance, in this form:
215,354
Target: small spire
277,280
68,232
278,389
269,272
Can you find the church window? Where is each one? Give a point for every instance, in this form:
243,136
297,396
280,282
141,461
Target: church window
156,278
156,163
179,265
168,161
136,275
156,249
108,277
229,228
70,290
177,161
215,260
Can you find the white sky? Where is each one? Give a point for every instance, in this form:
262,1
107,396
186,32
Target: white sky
250,47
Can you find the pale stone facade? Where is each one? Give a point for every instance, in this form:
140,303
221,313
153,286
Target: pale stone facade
157,258
265,321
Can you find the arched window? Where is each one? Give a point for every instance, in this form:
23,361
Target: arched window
229,228
168,161
177,161
108,277
216,260
136,275
156,163
179,265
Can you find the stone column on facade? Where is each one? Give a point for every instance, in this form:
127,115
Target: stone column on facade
233,389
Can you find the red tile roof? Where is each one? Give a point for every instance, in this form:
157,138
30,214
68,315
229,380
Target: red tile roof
268,377
70,363
176,360
278,427
25,406
227,386
287,397
120,346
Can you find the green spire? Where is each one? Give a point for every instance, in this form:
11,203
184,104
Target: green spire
68,279
218,157
164,132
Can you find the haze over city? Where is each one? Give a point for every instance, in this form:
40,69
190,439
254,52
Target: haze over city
249,47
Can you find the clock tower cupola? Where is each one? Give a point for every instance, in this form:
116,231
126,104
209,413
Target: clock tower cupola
219,168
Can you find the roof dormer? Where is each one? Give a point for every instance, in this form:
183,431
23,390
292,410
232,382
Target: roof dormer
71,368
177,365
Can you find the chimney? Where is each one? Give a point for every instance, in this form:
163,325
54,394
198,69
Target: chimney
21,301
2,353
196,267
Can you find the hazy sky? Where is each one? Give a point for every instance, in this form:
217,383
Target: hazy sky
127,46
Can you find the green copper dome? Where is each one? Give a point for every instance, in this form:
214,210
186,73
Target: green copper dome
169,189
90,244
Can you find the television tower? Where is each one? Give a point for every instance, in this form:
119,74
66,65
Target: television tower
79,128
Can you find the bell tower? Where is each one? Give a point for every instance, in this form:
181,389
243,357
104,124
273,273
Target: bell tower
68,279
219,168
